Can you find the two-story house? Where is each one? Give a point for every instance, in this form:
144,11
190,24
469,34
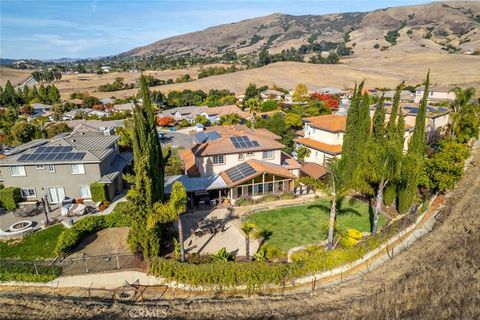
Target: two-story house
435,94
323,136
249,162
65,166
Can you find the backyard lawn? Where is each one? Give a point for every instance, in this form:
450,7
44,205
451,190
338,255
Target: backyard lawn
295,226
39,245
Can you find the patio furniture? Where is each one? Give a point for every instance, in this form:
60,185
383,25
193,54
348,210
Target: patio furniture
67,200
80,209
65,210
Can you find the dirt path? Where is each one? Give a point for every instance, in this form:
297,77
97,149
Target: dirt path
437,277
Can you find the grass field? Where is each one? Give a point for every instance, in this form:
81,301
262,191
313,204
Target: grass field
295,226
39,245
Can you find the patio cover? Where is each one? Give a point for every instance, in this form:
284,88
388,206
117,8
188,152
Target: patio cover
193,184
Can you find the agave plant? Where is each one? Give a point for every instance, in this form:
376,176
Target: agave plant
222,255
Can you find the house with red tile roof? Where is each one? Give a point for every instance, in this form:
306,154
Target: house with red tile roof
249,162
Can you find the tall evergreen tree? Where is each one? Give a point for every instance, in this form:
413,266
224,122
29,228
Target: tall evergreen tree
149,166
414,159
349,148
392,122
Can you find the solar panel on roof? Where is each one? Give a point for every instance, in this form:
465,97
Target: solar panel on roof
243,142
201,137
23,157
39,150
78,155
214,135
42,156
240,172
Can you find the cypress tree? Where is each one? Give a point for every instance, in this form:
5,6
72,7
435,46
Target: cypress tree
414,159
392,122
378,128
149,166
349,148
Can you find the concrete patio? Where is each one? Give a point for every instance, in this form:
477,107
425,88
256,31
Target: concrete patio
232,238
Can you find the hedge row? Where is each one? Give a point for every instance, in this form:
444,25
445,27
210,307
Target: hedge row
23,271
70,237
9,197
255,274
99,191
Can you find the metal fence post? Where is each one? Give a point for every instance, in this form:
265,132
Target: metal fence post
35,266
118,263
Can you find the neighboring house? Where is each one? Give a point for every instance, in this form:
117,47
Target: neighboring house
215,113
66,166
435,94
98,113
184,113
94,125
123,107
405,95
106,69
247,162
106,101
40,110
270,94
323,136
437,119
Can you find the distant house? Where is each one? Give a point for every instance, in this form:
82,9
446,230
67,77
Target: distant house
405,95
41,108
106,101
435,94
270,94
184,113
215,113
123,107
94,125
106,69
243,162
66,166
98,113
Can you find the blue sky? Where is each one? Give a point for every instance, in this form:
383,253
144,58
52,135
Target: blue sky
50,29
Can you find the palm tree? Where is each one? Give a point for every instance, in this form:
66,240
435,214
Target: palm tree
229,119
178,205
247,228
253,106
336,188
461,108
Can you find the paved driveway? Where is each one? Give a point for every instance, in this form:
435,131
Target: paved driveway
177,139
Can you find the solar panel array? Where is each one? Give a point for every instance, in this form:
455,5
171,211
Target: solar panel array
243,142
52,154
240,172
202,137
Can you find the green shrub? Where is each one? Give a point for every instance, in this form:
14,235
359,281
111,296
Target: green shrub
269,105
256,274
9,197
286,196
70,237
243,201
196,258
271,252
99,192
22,271
184,123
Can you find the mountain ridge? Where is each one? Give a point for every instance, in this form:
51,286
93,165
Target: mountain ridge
455,23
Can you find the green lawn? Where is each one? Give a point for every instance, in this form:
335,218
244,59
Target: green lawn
39,245
295,226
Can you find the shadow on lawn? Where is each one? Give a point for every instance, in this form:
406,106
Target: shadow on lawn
340,210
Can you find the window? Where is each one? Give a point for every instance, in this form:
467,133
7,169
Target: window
39,167
18,171
250,154
268,154
28,192
218,159
85,192
78,169
51,168
241,156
